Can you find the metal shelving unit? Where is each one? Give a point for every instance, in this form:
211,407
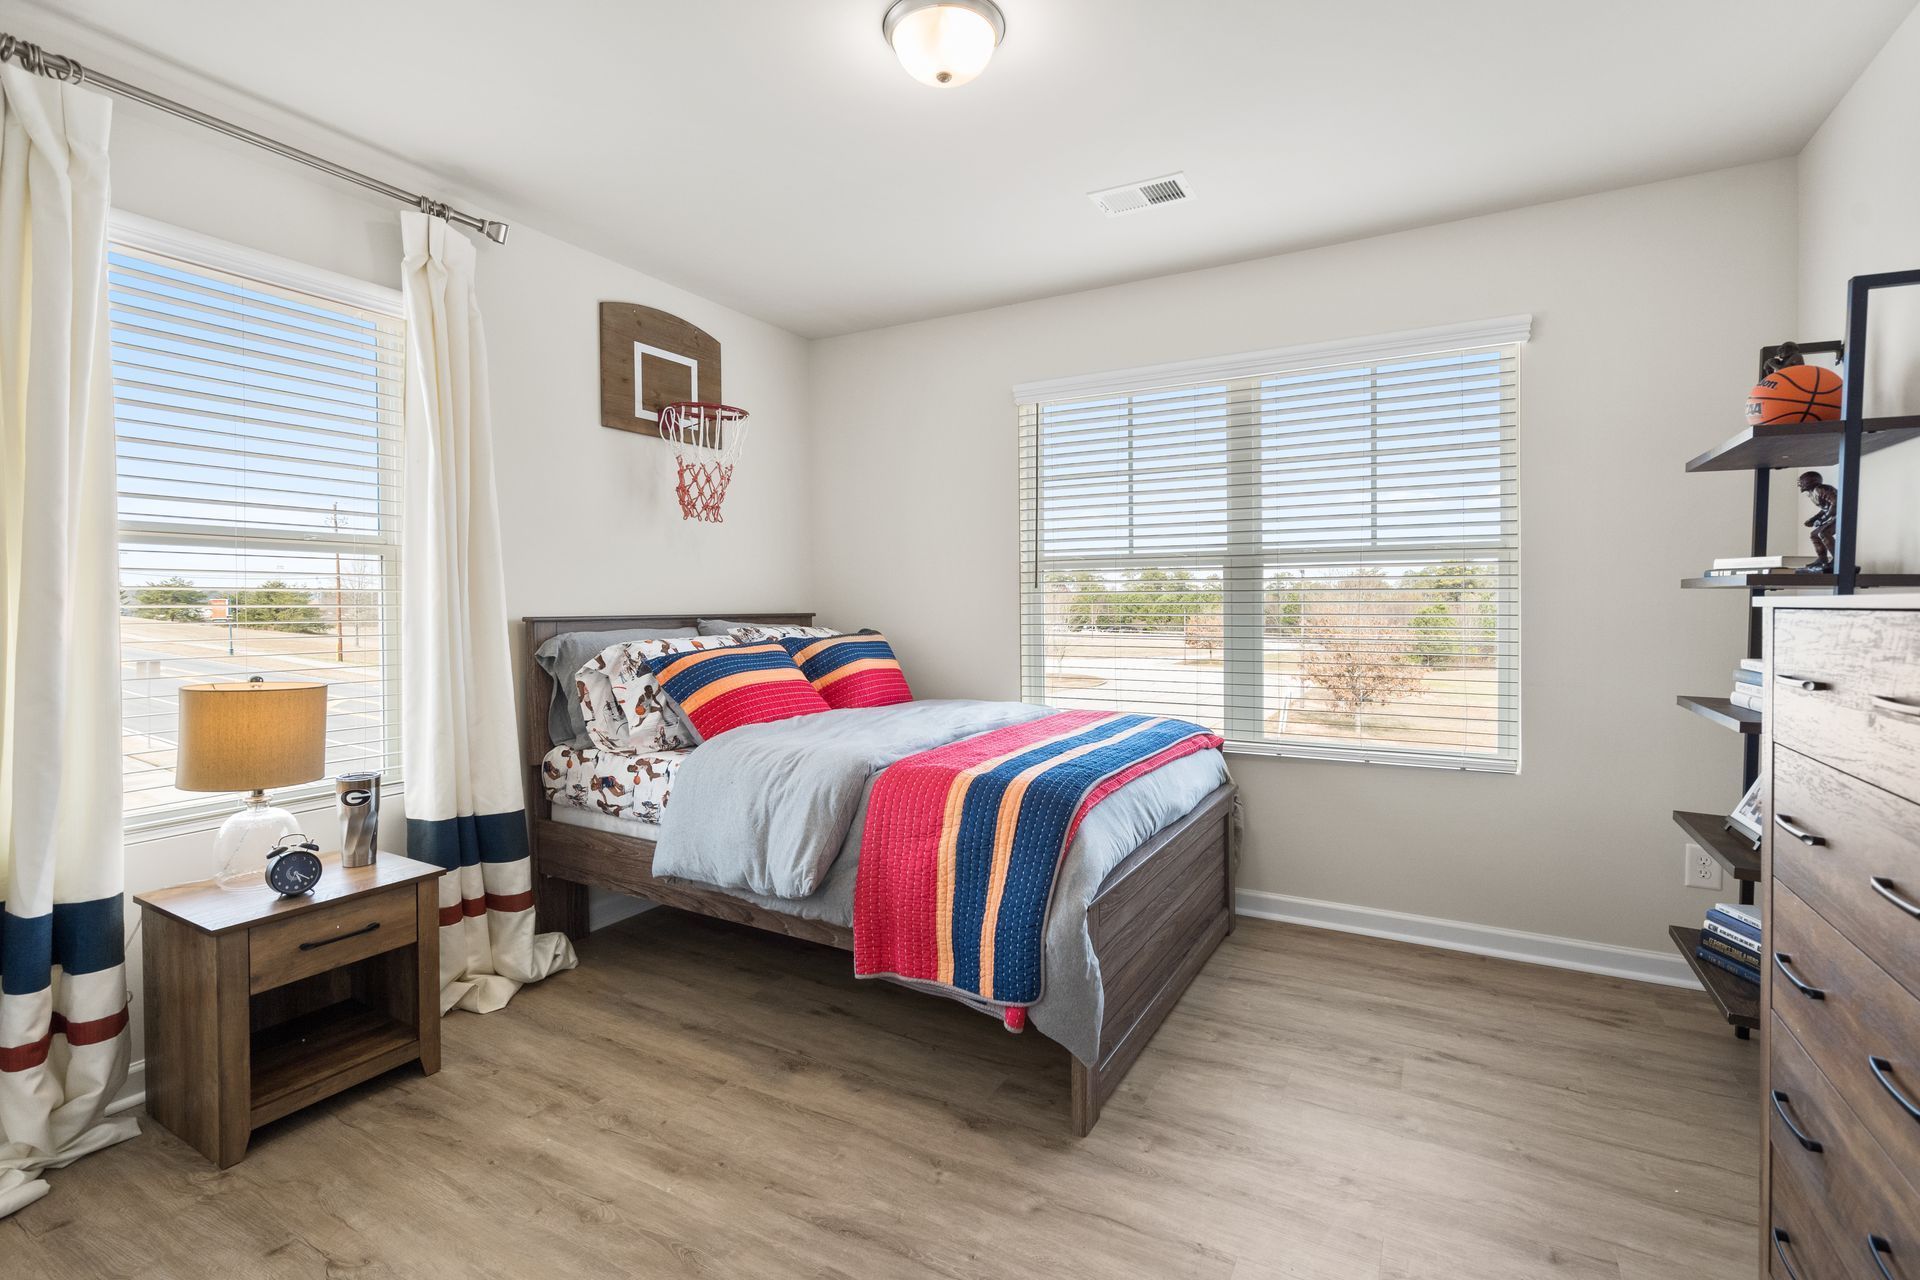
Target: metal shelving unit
1838,445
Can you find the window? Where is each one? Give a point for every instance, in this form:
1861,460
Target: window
258,411
1313,552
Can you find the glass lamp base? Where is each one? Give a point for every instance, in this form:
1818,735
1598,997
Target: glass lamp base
241,846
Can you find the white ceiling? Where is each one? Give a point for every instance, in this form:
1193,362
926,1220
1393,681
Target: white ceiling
772,155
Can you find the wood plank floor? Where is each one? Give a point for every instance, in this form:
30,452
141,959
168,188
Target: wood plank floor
704,1100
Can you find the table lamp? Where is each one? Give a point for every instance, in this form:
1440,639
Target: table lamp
249,737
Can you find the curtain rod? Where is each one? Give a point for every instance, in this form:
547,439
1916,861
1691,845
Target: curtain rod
59,67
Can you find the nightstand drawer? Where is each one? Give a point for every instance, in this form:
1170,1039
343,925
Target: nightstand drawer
283,951
1855,859
1859,1026
1847,691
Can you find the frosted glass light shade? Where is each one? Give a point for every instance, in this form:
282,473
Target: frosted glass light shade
944,43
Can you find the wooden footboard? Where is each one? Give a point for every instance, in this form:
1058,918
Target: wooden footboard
1154,922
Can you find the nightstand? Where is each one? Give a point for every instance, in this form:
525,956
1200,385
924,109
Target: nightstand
258,1005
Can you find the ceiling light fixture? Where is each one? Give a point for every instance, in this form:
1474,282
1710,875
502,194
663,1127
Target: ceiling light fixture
944,42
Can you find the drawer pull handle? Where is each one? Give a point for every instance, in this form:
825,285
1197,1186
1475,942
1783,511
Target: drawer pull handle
1798,682
1880,1068
1780,961
1884,887
1780,1106
1881,1251
1798,832
341,937
1780,1242
1896,706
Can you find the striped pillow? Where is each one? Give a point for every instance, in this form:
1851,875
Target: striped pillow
722,689
852,671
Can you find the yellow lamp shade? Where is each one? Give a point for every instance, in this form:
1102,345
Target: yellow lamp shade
251,736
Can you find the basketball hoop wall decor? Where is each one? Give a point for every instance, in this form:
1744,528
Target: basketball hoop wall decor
707,441
649,360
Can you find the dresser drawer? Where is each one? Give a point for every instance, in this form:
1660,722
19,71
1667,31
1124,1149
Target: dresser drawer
1856,860
1858,1025
1798,1247
1862,1198
314,941
1847,691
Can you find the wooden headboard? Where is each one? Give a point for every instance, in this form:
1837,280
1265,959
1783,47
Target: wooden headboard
539,688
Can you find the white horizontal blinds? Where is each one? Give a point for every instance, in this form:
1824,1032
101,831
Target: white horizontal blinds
1318,559
259,483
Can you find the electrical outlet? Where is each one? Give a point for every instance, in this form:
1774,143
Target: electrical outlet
1700,871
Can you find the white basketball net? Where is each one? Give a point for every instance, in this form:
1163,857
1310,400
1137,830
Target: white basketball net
707,440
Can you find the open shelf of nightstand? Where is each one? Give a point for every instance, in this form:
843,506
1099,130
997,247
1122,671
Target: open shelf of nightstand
323,1052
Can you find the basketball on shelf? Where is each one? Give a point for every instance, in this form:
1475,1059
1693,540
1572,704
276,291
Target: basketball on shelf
707,441
1797,393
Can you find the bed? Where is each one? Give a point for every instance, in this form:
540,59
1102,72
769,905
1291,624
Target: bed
1150,922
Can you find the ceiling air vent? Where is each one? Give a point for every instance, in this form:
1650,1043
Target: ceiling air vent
1136,196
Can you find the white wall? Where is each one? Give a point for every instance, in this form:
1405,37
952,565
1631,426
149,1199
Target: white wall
589,520
1860,212
1649,306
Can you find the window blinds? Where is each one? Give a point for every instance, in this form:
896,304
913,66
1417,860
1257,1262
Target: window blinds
1312,558
258,455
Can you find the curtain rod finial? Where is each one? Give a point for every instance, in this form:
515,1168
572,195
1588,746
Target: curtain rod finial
495,231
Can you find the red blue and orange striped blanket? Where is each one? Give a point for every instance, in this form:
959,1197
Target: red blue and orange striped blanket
962,845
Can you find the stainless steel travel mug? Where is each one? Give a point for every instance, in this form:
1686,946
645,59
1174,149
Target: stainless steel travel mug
358,798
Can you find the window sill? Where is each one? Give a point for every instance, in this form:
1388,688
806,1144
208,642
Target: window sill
299,801
1338,755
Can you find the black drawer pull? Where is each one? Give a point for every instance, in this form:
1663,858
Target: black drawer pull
1780,1106
1895,706
1880,1068
1804,836
1780,1242
341,937
1881,1251
1884,887
1798,682
1780,961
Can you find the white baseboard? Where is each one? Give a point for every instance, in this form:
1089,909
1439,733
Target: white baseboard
1667,968
134,1092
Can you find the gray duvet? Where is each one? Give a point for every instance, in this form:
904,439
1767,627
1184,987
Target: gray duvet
773,814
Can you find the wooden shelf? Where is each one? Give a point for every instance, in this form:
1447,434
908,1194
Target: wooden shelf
1709,831
1737,999
1780,580
322,1052
1723,713
1804,444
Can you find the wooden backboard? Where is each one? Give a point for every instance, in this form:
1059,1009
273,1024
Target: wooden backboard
648,359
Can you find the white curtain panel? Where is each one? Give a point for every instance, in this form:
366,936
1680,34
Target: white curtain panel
63,982
459,743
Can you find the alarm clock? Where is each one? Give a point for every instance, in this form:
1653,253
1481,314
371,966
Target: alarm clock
293,867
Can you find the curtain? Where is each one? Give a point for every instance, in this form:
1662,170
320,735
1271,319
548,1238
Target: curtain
458,738
63,983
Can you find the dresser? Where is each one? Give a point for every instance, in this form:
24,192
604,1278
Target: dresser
1840,998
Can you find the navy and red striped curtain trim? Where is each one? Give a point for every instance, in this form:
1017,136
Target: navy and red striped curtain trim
468,840
80,937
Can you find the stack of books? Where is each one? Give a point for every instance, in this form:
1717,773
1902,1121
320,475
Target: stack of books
1730,940
1747,689
1741,566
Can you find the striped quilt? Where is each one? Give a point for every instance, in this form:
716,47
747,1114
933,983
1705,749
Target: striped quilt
962,844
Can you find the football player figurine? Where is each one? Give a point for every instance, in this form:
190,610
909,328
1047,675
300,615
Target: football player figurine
1825,497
